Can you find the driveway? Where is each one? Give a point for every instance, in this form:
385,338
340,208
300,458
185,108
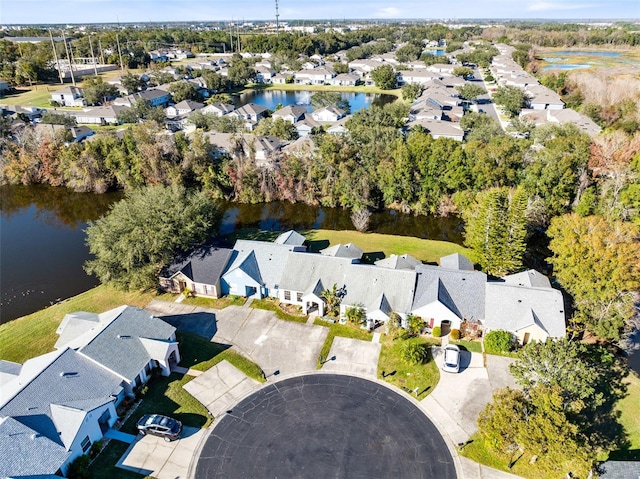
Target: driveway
353,356
153,456
458,398
279,346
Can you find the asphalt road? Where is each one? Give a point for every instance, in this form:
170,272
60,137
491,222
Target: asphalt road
321,426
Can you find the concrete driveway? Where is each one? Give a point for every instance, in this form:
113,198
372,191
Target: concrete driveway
153,456
458,398
353,356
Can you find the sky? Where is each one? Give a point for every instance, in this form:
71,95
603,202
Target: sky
110,11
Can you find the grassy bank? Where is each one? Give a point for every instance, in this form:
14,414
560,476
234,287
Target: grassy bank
272,305
214,303
38,330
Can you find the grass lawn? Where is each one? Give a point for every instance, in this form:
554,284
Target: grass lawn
214,303
38,95
422,249
371,243
38,329
103,467
200,354
407,376
273,305
343,330
300,87
630,419
472,346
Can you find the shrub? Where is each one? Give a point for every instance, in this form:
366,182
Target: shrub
79,468
96,447
414,353
498,341
415,324
437,332
455,334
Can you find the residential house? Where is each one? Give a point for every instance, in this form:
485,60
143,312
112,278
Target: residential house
339,127
263,74
223,143
348,250
256,268
99,115
442,68
262,149
69,96
200,272
344,79
290,113
218,109
303,147
156,96
317,76
438,129
328,114
290,237
542,98
446,296
126,341
280,79
17,111
53,410
405,261
184,107
306,125
251,113
421,77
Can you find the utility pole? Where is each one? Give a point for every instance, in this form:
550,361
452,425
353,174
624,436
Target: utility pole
93,57
66,47
277,21
119,53
55,56
101,51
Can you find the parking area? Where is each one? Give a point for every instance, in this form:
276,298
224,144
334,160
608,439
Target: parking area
153,456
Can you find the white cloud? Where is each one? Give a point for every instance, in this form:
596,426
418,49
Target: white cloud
556,6
388,12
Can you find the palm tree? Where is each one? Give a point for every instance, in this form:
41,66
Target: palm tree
355,314
333,299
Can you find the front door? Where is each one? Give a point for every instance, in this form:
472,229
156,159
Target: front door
527,337
104,421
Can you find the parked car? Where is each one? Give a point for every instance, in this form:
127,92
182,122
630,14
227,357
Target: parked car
161,426
451,359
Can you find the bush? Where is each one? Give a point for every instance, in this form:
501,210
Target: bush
437,332
414,353
498,341
455,334
79,468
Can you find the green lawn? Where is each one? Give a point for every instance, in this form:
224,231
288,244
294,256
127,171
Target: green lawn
472,346
103,467
270,304
38,330
200,354
629,409
38,95
214,303
422,249
343,330
371,243
424,377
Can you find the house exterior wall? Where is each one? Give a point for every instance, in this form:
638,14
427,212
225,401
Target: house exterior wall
536,333
240,284
89,428
439,312
325,116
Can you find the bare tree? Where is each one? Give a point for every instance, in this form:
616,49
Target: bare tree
360,219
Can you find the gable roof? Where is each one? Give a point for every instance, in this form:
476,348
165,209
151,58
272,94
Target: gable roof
270,259
290,237
456,261
405,261
68,377
118,346
530,278
293,110
203,265
250,109
512,308
348,250
461,291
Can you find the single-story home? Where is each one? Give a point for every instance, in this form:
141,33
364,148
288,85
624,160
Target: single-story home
69,96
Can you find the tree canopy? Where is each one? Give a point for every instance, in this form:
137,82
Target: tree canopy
384,77
145,231
511,98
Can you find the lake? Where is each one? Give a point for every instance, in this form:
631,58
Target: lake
272,98
42,247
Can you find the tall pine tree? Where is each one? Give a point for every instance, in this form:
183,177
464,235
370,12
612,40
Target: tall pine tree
496,229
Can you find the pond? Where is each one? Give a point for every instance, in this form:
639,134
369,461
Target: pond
591,54
567,66
43,241
271,98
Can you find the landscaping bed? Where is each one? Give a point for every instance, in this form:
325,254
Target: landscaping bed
280,310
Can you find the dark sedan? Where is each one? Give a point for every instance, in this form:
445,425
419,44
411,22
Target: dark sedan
161,426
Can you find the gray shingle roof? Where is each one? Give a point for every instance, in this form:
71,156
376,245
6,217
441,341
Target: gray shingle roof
70,378
204,265
270,259
530,278
456,261
348,250
118,346
290,237
460,290
394,261
619,470
512,308
27,453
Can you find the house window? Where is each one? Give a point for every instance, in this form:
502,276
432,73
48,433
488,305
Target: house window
299,297
287,295
85,444
147,369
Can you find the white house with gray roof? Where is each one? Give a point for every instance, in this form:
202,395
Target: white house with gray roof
53,411
127,341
